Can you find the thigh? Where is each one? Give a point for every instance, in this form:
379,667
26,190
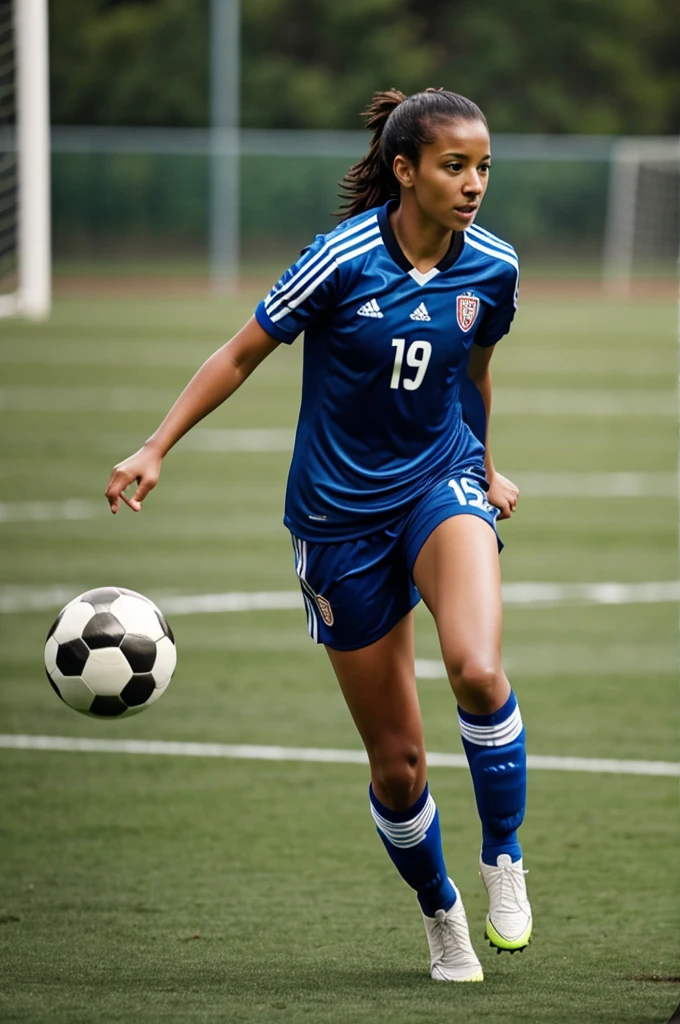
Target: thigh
379,686
457,572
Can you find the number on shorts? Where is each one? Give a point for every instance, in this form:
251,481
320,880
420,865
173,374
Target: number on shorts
469,493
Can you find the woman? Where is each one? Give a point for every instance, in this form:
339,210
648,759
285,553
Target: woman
392,493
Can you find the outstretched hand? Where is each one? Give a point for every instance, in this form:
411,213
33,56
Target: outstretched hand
503,494
144,467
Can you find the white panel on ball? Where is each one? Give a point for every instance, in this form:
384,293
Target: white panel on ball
107,671
158,692
51,648
166,660
137,616
72,623
76,692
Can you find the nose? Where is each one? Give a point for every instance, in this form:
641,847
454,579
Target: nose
473,184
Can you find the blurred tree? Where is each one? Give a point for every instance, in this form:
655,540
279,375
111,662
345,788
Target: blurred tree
130,62
316,63
608,66
563,66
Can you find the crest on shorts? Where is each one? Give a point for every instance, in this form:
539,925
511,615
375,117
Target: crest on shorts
467,308
325,609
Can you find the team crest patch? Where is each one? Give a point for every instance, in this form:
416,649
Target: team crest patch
325,609
467,308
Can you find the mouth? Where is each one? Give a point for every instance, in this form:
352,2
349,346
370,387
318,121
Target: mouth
467,211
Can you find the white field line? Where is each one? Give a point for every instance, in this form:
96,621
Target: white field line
36,398
534,361
576,402
430,668
130,352
532,595
217,439
531,485
523,361
16,598
48,511
317,754
507,401
596,485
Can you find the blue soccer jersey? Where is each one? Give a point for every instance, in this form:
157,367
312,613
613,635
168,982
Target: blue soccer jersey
385,384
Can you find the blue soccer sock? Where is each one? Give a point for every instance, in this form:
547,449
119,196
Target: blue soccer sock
413,841
495,749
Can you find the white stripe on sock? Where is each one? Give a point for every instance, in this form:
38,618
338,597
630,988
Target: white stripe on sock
405,834
493,735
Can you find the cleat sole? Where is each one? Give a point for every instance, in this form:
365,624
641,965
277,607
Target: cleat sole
505,949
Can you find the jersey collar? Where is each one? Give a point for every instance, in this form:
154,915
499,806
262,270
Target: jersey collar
395,251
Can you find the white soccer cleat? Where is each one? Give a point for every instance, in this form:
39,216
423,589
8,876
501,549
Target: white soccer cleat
509,922
452,957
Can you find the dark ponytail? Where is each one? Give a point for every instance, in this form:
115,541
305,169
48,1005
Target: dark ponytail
400,125
368,183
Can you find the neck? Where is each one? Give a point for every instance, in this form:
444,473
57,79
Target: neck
423,242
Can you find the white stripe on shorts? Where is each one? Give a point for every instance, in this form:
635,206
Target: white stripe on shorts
307,590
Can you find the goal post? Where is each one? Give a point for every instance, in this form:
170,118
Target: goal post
642,227
25,216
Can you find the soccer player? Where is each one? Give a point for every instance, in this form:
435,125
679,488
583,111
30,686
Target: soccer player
392,493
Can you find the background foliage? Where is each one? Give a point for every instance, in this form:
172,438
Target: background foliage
599,66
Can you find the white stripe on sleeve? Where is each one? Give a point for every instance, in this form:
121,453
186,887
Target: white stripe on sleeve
294,303
337,244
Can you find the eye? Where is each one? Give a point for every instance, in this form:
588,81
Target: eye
454,166
485,168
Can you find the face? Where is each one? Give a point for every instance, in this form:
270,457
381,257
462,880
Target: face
452,175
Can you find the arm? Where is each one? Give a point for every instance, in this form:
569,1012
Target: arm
215,381
502,492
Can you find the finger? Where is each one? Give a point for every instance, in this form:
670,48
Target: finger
136,506
112,496
143,488
115,487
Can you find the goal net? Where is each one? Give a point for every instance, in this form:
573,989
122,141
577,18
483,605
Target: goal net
642,238
25,263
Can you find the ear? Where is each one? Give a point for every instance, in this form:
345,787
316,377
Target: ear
403,171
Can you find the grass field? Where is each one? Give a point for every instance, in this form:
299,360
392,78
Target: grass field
138,888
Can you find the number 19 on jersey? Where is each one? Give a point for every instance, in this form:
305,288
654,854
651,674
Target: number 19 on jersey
417,357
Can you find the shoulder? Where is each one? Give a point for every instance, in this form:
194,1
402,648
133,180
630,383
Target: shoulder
492,250
348,236
339,255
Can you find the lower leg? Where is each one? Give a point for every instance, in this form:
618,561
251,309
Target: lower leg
379,686
412,839
457,573
495,748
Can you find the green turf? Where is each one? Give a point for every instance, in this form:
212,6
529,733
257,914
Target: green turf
152,888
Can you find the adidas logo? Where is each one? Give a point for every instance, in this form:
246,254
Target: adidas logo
370,308
420,313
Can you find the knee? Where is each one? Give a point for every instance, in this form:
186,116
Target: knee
397,771
477,682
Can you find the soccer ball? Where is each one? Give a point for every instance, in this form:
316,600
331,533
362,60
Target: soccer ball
110,653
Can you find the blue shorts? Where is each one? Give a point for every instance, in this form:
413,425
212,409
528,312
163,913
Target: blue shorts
356,591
